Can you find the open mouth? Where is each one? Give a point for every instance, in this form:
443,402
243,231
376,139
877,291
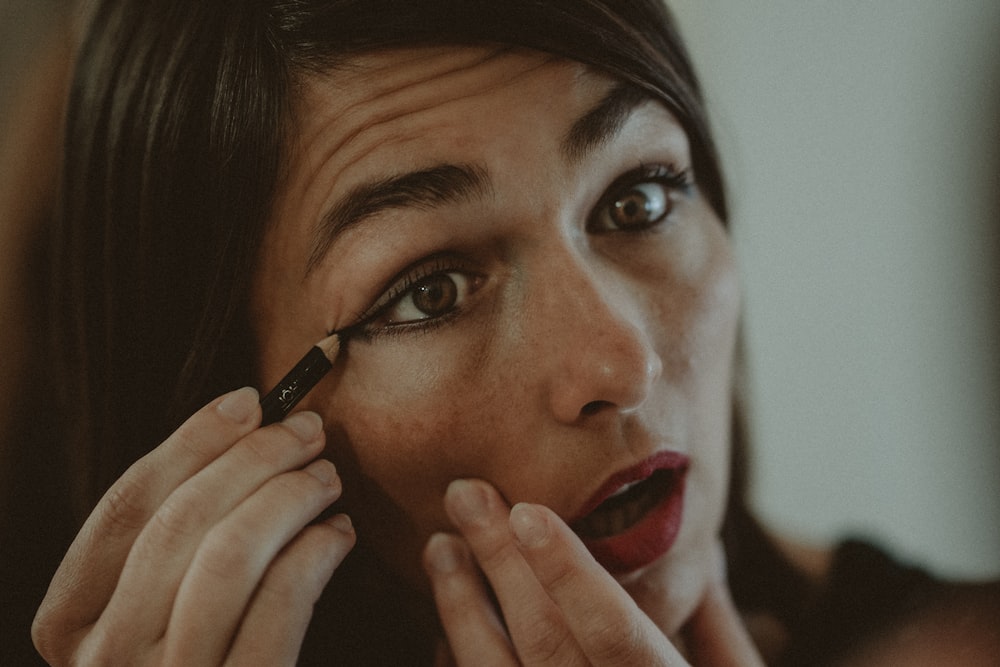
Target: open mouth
627,506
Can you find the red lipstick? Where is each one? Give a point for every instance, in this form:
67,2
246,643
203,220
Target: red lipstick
635,516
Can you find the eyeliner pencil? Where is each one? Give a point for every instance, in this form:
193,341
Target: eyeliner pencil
300,380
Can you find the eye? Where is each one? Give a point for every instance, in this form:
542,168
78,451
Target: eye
433,296
427,294
639,200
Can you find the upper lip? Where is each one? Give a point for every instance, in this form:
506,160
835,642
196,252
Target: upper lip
662,460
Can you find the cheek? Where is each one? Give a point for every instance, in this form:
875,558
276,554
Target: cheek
712,362
401,432
413,427
401,391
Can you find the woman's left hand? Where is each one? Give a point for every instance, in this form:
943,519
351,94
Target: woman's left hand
557,605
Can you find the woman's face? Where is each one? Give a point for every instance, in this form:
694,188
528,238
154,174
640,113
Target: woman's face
551,304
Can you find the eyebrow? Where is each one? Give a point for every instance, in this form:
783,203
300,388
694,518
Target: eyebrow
605,120
449,183
422,189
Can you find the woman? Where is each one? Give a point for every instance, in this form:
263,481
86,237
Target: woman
517,210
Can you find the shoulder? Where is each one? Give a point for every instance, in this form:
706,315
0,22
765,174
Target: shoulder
872,609
961,626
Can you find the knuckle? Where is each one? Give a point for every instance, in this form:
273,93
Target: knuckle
258,451
59,645
549,647
48,635
543,637
298,486
188,440
228,555
104,646
559,574
61,621
125,507
178,518
270,449
618,642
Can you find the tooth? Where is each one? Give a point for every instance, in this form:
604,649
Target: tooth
622,490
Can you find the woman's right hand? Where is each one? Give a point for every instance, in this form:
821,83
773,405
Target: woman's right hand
204,552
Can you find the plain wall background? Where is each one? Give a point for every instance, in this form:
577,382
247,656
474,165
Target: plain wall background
862,144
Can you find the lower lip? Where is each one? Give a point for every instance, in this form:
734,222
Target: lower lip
648,540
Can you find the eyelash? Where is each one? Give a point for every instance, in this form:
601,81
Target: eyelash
668,175
400,287
671,178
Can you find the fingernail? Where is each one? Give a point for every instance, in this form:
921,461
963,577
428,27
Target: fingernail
305,425
469,500
442,554
341,522
240,406
324,471
529,525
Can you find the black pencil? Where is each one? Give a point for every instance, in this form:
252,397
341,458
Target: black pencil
300,380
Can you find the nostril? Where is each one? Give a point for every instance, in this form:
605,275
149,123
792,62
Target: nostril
594,407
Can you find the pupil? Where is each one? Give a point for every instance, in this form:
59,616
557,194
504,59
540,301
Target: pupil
632,209
435,295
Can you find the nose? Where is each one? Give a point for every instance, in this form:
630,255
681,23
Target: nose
598,349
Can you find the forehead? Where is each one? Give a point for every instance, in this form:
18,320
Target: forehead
395,103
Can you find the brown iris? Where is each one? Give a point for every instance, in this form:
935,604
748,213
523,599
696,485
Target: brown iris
435,295
641,206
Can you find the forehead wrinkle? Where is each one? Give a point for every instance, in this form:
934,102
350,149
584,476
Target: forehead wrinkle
372,197
387,113
378,109
358,75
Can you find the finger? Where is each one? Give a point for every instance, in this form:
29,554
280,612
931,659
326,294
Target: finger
89,572
165,548
231,562
292,584
605,621
535,624
474,630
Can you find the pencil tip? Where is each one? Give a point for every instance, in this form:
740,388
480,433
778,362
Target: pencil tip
330,345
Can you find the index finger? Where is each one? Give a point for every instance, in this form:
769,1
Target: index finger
90,569
605,621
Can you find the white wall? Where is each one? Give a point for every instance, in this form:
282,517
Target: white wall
862,141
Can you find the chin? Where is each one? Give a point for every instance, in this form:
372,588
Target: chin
670,590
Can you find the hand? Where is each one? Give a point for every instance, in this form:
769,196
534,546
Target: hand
202,553
558,605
